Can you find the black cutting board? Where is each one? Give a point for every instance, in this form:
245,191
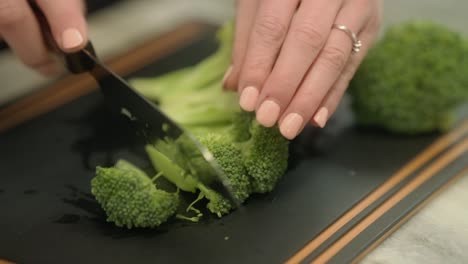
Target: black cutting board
47,214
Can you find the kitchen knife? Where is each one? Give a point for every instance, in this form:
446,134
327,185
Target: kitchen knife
150,121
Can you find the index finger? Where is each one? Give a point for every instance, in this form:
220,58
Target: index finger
67,21
267,36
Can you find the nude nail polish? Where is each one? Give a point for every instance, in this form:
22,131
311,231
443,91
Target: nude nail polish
248,98
291,125
71,39
321,117
268,113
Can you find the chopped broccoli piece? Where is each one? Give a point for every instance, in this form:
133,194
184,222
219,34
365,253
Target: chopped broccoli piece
217,204
240,127
171,171
130,198
412,80
230,159
265,157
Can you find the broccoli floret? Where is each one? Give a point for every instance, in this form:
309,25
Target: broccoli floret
130,198
240,127
265,157
412,80
229,158
217,204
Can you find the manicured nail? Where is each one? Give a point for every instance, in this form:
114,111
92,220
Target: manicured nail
226,76
321,117
71,38
248,98
291,125
268,113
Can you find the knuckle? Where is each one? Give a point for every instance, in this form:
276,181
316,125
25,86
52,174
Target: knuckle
35,64
309,34
271,29
253,76
11,13
256,67
284,82
334,58
37,61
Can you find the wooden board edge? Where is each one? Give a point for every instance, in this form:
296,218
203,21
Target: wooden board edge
71,87
417,209
422,159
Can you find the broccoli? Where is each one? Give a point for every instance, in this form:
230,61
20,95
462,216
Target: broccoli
196,89
265,157
230,159
130,198
412,80
252,157
186,182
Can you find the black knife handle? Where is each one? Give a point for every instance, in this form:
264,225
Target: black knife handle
75,62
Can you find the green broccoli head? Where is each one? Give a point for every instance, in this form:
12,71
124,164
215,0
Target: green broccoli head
130,199
412,80
266,156
229,157
217,204
241,121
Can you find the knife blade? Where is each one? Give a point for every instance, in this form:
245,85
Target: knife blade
153,124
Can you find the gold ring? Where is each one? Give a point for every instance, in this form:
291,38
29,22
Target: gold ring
357,44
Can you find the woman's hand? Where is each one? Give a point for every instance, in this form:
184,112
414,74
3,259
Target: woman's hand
20,29
290,65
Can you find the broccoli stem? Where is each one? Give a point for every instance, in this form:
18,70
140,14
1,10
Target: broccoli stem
190,207
194,219
159,174
171,171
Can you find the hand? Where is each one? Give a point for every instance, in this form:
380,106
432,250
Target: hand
290,65
20,29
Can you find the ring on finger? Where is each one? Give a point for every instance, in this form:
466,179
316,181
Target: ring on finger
357,44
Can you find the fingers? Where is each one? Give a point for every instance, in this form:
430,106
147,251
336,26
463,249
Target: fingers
334,96
245,17
66,19
307,35
267,35
324,73
19,28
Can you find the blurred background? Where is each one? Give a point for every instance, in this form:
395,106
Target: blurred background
118,25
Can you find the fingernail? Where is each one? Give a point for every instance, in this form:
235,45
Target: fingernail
226,76
71,38
291,125
268,113
248,98
48,69
321,117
